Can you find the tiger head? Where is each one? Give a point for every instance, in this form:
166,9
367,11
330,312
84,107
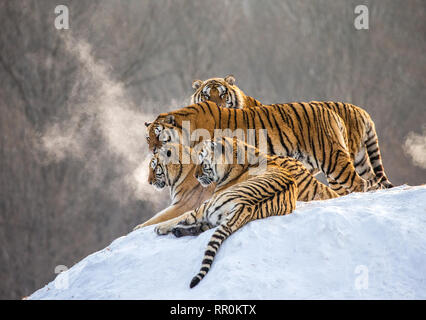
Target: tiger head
166,166
216,161
222,91
159,132
156,175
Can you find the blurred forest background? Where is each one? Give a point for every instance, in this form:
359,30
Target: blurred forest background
73,102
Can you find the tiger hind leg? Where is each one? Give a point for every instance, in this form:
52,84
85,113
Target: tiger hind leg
336,187
372,146
343,177
362,167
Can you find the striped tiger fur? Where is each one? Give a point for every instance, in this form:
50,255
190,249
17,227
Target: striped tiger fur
363,143
315,136
245,191
185,191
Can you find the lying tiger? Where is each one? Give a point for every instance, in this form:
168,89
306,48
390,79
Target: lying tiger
363,144
186,193
249,185
315,136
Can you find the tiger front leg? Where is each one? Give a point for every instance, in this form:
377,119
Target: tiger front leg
171,212
188,218
193,224
167,226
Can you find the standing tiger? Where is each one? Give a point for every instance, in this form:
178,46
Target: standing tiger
315,136
250,185
363,142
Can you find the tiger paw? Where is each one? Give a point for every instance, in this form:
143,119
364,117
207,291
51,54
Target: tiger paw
177,232
189,231
162,230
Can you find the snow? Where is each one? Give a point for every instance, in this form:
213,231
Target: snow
361,246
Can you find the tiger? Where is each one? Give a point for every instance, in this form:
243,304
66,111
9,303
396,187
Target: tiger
244,191
185,191
363,143
223,91
315,136
246,156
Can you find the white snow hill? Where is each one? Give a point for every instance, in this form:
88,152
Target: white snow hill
361,246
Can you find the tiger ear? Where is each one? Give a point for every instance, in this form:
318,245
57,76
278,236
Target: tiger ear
170,119
196,84
147,124
230,79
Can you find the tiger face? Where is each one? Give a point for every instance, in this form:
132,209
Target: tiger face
210,167
156,176
159,133
166,166
221,91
